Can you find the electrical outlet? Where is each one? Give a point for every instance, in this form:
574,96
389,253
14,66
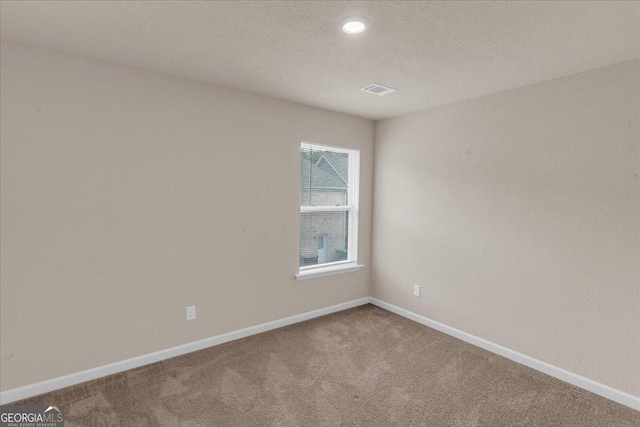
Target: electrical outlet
416,290
191,312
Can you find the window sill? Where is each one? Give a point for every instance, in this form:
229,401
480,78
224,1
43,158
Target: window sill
328,271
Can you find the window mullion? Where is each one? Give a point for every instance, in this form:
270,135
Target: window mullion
305,209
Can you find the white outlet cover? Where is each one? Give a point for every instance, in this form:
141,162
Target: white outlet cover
191,312
416,290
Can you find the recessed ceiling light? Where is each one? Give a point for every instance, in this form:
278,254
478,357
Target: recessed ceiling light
354,25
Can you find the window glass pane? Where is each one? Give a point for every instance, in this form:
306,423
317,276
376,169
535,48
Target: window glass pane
324,178
323,237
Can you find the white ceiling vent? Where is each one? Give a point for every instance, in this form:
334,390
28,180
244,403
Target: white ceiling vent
377,89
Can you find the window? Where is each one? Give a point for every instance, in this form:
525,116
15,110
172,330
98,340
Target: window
329,178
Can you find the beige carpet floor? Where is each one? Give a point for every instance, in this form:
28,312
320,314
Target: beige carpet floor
360,367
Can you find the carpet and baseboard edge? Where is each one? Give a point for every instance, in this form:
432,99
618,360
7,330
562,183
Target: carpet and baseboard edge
35,389
25,392
611,393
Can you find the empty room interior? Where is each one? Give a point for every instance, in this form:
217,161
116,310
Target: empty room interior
320,213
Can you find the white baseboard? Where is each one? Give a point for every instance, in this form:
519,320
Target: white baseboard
574,379
31,390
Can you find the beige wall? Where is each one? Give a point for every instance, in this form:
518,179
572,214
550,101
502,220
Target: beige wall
128,195
519,214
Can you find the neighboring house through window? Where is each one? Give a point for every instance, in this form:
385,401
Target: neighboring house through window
329,178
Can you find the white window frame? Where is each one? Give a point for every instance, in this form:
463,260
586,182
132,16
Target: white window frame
352,206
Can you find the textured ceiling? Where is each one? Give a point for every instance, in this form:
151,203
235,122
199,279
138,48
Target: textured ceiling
433,53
